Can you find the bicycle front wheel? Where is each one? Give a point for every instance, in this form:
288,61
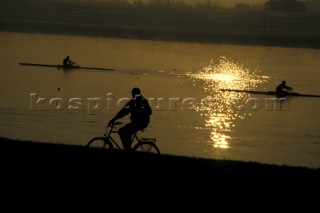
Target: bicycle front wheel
146,146
100,142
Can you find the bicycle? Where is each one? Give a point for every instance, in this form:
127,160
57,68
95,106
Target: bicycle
107,142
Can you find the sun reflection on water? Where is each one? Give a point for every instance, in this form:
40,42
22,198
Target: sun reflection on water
220,109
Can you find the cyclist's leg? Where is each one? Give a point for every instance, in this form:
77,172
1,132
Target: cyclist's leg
127,131
125,134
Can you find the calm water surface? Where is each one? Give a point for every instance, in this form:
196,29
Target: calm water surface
191,116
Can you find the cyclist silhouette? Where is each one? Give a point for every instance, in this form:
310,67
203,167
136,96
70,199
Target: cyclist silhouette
140,111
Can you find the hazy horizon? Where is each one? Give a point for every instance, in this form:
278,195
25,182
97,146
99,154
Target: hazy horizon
232,2
225,3
228,3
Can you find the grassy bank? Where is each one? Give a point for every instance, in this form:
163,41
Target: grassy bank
165,179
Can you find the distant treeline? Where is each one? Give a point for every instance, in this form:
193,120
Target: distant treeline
284,5
268,5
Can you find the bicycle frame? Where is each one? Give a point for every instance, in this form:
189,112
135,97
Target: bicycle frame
114,142
107,142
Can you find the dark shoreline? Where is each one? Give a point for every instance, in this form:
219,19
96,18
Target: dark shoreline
203,25
252,186
160,35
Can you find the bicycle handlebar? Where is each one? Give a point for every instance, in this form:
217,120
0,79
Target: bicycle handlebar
115,123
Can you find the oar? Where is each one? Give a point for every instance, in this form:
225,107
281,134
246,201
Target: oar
60,66
41,65
270,93
95,68
306,95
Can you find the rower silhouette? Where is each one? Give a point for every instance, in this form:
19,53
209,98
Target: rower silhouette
282,89
68,64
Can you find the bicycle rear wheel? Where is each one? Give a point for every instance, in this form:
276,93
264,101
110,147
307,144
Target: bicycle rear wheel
146,146
100,142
